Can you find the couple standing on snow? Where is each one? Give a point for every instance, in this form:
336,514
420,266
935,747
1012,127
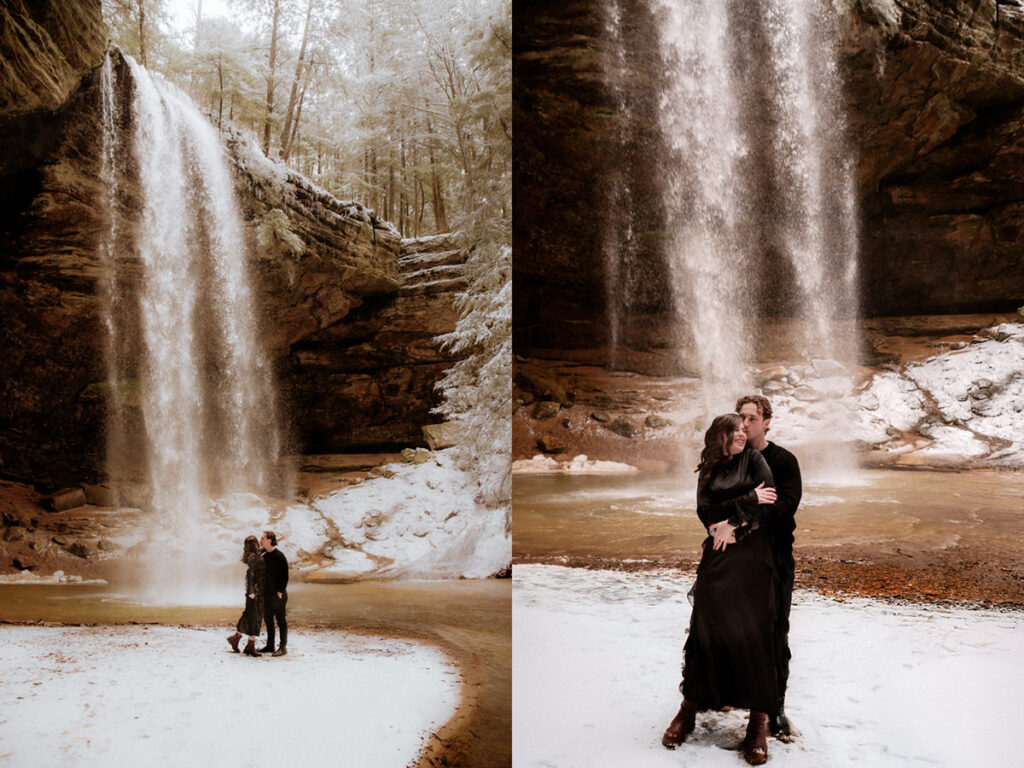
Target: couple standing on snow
737,651
266,595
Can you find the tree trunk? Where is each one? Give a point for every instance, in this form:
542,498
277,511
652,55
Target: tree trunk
142,32
270,78
220,80
288,140
286,133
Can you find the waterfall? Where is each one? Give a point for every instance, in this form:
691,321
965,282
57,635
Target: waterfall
616,235
205,394
759,184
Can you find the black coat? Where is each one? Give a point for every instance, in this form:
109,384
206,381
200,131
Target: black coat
252,617
730,657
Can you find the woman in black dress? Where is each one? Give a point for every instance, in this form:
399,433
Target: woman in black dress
249,623
729,656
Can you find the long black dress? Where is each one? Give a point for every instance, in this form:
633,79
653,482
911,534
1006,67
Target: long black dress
252,618
730,653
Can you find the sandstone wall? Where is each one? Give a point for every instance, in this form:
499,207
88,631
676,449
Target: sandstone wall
935,95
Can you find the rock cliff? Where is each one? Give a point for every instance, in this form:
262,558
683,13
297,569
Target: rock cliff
347,320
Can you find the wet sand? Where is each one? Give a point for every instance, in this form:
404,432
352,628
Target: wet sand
922,536
469,620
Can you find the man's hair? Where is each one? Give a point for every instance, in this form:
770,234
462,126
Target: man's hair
763,406
272,536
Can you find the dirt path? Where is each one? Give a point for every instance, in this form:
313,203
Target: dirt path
959,574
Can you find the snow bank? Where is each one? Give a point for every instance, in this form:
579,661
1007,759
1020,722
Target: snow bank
112,696
57,577
958,399
596,665
579,465
424,520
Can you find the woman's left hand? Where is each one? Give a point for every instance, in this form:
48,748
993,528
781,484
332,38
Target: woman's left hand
724,535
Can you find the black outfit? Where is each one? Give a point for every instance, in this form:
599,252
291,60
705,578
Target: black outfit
274,606
780,522
252,616
730,656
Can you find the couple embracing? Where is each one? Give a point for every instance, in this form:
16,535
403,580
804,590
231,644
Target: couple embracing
266,595
737,651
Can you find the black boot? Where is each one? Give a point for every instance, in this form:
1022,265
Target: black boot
250,648
755,745
268,648
682,725
281,651
781,728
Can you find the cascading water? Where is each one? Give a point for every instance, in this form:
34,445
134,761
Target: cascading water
760,178
617,235
205,390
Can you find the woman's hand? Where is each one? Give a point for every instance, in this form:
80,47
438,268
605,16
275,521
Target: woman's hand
252,597
765,495
724,535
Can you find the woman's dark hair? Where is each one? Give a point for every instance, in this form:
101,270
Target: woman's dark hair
250,547
715,454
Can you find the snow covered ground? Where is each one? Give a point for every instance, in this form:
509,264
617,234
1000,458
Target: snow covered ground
596,663
146,695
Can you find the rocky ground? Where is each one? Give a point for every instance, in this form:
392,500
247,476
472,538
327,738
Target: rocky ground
911,402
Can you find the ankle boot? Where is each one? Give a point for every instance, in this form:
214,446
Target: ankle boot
682,725
233,641
781,728
755,745
250,648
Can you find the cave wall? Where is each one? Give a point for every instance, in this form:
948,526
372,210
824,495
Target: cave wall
347,319
935,99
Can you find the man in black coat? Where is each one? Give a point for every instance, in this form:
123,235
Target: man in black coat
275,593
780,522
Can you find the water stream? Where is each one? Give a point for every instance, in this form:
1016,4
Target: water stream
758,186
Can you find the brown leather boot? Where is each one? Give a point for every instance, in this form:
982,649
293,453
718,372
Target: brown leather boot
755,745
682,725
233,641
250,648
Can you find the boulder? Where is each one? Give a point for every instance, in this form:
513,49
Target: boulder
625,427
551,443
545,409
66,498
444,435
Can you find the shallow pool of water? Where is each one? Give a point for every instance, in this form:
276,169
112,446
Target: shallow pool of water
642,517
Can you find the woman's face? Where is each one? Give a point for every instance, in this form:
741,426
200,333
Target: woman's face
735,442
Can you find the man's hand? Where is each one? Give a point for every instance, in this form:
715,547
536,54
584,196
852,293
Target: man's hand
724,534
765,495
252,597
278,595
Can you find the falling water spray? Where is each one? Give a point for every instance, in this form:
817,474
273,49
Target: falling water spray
206,398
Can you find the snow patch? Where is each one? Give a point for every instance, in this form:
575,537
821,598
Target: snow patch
596,665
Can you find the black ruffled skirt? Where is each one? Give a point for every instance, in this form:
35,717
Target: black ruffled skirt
730,657
252,618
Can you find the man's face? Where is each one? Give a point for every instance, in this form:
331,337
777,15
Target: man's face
753,423
265,543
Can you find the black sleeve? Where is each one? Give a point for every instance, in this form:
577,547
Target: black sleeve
284,572
750,513
743,508
790,490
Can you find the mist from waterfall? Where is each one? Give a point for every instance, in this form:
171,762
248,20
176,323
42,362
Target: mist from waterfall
185,339
760,178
